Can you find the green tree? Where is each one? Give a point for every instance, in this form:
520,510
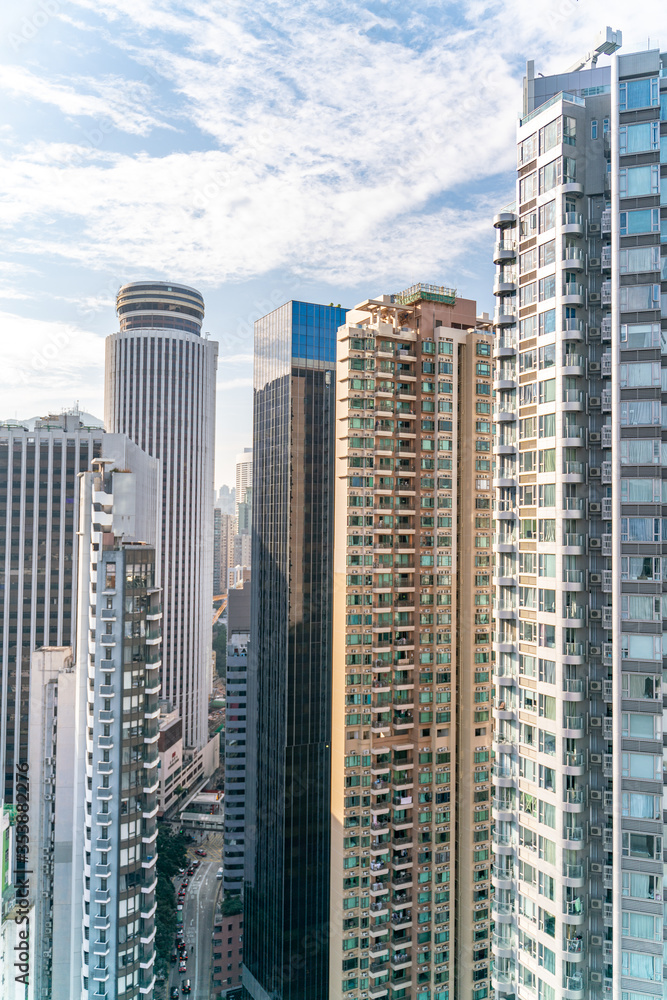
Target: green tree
220,648
170,857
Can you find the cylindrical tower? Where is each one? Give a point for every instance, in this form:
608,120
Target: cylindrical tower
160,391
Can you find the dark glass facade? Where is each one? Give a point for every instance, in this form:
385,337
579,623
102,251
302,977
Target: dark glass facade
289,672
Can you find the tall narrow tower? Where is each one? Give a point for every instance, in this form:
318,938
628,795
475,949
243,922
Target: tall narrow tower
160,391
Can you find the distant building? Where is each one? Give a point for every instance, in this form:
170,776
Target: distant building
243,476
238,636
227,952
38,497
160,391
226,500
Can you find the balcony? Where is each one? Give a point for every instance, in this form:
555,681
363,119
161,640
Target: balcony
573,258
573,834
573,294
504,316
576,544
504,250
504,220
573,987
573,364
573,400
573,223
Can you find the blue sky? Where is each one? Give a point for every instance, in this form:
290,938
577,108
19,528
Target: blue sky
261,152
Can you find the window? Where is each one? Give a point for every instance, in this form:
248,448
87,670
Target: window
640,374
641,727
639,259
636,297
547,216
642,966
639,138
548,253
641,687
638,181
638,94
528,187
643,220
548,391
550,175
547,287
547,322
643,766
528,294
550,135
546,564
594,128
528,261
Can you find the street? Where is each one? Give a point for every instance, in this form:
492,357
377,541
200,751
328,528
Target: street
198,920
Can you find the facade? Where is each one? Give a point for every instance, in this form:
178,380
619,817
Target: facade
92,761
238,636
227,953
243,477
160,391
38,551
411,740
581,321
286,895
217,550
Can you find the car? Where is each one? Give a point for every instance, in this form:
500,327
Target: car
181,946
179,906
185,883
181,871
184,955
202,854
174,955
196,863
186,988
174,993
182,967
179,935
219,873
191,872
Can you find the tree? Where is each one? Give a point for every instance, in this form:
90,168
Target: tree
220,648
171,857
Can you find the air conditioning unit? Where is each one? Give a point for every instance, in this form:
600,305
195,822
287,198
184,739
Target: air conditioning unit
594,437
595,508
596,866
594,401
594,366
596,614
596,831
596,796
595,651
593,227
595,686
594,297
595,578
596,758
596,720
594,543
593,261
596,904
596,977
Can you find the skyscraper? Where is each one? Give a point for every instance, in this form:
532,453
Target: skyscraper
236,678
243,477
289,669
93,749
38,551
411,739
160,391
581,321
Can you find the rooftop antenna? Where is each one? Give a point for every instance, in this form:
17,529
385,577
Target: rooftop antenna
606,43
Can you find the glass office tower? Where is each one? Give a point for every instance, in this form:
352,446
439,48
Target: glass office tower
289,672
580,537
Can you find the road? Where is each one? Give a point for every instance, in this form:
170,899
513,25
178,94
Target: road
198,920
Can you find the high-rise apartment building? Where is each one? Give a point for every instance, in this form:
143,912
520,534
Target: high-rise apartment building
236,712
243,477
160,391
286,893
93,749
411,741
581,320
38,550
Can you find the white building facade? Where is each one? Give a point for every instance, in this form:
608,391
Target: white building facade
160,391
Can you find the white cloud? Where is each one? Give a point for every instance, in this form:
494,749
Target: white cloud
45,365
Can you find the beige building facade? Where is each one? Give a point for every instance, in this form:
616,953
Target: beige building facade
411,731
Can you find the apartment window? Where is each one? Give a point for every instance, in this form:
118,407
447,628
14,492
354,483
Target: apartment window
638,181
638,94
550,175
550,135
643,220
639,138
594,128
547,322
605,126
639,297
548,253
547,216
